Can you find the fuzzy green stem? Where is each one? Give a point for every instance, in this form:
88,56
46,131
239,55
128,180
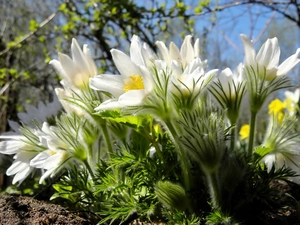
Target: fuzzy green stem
252,133
87,165
182,155
107,139
214,189
232,139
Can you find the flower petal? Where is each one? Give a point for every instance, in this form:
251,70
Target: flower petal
39,160
10,147
249,50
113,84
187,50
288,64
57,66
69,67
132,98
174,53
136,51
91,63
163,51
269,54
109,104
124,64
78,57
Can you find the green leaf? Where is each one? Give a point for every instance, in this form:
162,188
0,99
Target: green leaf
33,25
132,121
262,150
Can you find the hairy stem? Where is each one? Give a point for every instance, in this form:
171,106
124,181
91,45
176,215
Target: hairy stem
214,189
182,156
107,139
252,133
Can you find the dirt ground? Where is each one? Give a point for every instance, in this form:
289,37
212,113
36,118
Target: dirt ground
21,210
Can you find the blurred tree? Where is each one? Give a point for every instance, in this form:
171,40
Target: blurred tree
32,31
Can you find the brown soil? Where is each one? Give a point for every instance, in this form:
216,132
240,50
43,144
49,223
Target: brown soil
21,210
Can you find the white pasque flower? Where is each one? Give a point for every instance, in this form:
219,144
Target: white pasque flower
230,81
184,56
76,71
20,167
134,82
55,157
283,159
193,79
281,146
267,59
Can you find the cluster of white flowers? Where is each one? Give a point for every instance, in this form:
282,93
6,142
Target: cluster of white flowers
175,76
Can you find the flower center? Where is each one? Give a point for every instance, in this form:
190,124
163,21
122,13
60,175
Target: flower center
134,82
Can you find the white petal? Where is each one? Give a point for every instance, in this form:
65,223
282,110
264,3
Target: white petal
113,84
45,175
174,52
21,175
147,78
132,98
148,55
70,68
57,66
269,54
78,57
136,51
288,64
186,50
10,147
39,160
54,161
269,161
91,63
249,50
163,51
14,125
176,69
109,104
124,64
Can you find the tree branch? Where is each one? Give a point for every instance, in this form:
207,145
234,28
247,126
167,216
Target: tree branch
28,35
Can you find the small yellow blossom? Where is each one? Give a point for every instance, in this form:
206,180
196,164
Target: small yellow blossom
245,131
276,106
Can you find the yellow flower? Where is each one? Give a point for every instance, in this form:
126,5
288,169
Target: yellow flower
244,131
276,108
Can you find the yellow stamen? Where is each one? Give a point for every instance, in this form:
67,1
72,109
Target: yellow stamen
134,82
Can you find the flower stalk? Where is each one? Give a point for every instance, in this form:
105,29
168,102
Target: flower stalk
182,156
252,133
